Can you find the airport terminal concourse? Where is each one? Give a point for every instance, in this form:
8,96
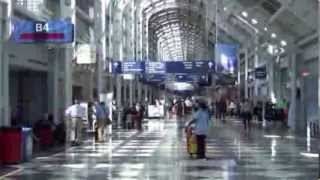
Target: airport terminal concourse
159,89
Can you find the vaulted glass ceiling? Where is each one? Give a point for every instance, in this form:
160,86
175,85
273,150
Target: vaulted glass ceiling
186,29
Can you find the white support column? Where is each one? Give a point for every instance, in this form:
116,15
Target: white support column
5,32
319,77
271,69
119,104
131,93
139,87
293,100
145,94
1,70
239,77
6,101
53,84
246,86
100,41
68,12
256,63
150,92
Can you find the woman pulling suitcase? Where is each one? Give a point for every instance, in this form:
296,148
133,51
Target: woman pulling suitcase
201,120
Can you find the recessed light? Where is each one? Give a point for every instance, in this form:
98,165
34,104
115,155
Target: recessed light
254,21
283,43
274,35
244,14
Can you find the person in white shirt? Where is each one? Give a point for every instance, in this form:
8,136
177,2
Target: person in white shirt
75,115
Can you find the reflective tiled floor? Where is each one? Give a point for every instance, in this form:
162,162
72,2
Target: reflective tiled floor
159,153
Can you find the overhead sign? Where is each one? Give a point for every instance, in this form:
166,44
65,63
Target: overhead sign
43,32
226,58
86,54
172,67
115,67
261,72
155,67
133,67
193,67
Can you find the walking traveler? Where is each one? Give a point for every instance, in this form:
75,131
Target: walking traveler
100,113
201,120
75,114
246,110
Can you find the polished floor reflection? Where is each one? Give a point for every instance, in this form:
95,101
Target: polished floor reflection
159,153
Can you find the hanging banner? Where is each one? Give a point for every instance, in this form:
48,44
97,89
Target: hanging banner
226,58
43,32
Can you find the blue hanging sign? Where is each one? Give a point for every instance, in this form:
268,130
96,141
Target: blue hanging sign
187,67
133,67
155,67
57,31
115,67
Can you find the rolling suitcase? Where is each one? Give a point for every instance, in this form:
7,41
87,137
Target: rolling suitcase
191,142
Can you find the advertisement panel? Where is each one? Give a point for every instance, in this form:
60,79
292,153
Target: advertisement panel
226,58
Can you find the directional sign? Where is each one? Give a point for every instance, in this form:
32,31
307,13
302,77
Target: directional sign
133,67
116,67
261,72
171,67
43,32
193,67
155,67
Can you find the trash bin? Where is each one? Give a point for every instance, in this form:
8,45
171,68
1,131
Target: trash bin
27,144
10,142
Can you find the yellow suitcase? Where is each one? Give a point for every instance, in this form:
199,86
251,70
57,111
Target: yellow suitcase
191,142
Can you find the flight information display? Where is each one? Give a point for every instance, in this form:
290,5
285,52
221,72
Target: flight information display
156,67
129,67
57,31
169,67
190,67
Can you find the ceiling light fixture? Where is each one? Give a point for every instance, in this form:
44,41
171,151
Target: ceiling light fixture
254,21
244,14
274,35
283,43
